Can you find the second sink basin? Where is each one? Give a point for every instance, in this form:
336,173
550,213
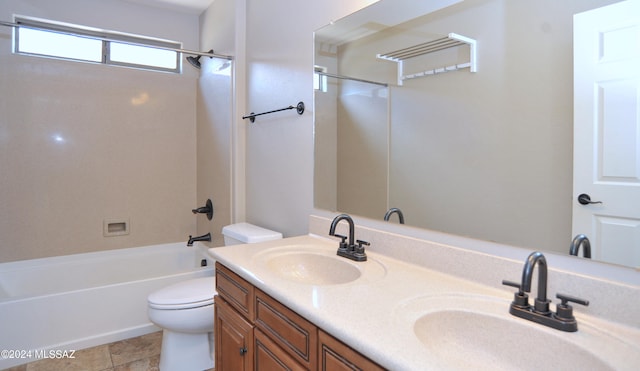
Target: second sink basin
315,265
464,332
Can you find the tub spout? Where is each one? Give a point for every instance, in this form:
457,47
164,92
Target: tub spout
204,237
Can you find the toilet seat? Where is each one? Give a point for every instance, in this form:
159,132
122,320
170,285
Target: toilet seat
193,293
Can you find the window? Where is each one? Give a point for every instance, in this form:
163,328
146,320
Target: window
319,81
64,41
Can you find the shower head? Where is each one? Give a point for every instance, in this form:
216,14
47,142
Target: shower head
195,61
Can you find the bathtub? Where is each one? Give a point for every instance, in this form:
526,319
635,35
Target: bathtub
83,300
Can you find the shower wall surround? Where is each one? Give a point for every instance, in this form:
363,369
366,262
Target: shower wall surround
215,126
84,143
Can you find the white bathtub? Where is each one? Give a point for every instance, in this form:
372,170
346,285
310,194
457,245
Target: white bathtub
78,301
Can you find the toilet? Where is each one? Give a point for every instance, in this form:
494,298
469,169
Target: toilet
184,310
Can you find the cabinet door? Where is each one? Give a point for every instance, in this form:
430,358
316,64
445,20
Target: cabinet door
269,356
233,339
336,356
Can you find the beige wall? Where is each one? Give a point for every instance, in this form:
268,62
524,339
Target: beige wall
279,147
127,147
325,177
363,147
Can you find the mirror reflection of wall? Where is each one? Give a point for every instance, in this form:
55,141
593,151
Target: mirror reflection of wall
352,164
486,154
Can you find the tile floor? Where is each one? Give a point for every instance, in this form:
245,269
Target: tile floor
136,354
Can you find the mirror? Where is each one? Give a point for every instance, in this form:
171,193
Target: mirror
484,154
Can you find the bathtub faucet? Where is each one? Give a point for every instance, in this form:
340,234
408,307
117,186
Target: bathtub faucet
204,237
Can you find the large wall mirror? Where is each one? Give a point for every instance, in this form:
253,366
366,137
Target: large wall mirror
486,154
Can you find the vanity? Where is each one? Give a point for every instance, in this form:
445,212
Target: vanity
258,332
294,303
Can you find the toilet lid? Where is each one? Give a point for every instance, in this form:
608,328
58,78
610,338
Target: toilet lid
187,294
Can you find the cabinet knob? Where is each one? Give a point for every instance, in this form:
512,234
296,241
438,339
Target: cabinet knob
243,351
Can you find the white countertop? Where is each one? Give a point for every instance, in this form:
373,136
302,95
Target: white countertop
375,313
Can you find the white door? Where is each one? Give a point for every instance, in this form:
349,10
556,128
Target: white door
607,131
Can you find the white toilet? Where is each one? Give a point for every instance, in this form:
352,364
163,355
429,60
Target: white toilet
185,310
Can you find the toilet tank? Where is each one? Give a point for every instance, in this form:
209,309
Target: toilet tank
240,233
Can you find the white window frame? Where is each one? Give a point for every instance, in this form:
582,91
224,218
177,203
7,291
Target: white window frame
107,38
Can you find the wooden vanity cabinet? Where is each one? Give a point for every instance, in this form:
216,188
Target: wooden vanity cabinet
291,332
335,355
253,331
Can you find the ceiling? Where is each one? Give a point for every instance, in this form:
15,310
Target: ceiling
186,6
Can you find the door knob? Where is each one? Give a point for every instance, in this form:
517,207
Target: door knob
585,199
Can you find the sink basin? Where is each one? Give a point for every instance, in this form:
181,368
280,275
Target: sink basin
498,343
313,269
315,265
478,332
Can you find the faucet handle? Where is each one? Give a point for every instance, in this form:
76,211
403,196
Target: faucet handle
358,251
512,284
520,298
566,298
360,247
344,238
564,311
343,242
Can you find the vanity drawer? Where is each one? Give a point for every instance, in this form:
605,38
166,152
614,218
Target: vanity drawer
335,355
236,291
269,356
294,334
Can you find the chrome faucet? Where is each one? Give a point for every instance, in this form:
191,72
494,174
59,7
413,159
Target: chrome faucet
394,210
562,319
204,237
348,250
580,240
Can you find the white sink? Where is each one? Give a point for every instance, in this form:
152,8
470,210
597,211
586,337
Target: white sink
313,269
468,332
315,265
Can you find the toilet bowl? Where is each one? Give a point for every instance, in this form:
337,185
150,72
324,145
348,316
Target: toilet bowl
185,311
